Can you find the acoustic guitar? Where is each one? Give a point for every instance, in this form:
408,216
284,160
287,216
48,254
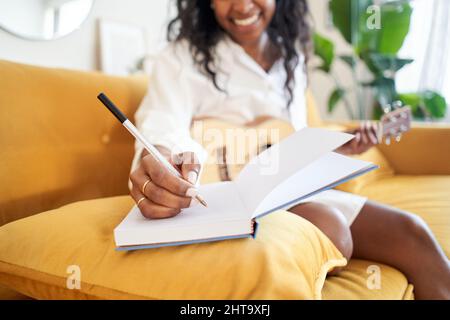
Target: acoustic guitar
230,147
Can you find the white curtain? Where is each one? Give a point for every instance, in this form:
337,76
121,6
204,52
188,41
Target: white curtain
428,43
437,57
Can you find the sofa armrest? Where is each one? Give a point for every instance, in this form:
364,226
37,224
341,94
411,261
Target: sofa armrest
425,149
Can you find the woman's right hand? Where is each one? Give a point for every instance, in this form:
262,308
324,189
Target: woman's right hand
159,193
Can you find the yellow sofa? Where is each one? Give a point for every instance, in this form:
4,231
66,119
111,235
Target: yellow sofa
58,145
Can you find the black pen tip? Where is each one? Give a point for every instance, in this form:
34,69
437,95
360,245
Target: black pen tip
111,107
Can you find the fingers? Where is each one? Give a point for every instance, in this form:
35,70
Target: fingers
165,194
190,167
368,131
371,129
356,142
157,194
151,210
366,136
162,177
363,132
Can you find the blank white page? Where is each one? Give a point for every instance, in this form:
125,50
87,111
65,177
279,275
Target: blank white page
215,194
224,205
273,166
326,171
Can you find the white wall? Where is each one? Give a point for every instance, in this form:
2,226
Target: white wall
79,50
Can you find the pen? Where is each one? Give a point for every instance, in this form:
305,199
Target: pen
148,146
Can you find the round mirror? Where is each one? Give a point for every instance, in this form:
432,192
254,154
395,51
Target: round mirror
43,19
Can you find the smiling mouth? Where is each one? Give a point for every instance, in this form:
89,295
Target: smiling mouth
248,21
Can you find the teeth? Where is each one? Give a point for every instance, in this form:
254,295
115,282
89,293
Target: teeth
246,22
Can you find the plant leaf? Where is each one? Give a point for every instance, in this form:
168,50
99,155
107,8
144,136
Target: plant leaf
434,103
335,97
414,101
324,49
386,92
395,24
377,112
382,64
349,60
345,16
322,68
366,84
423,104
341,13
351,18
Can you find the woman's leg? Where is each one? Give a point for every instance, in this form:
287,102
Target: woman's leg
390,236
331,222
394,237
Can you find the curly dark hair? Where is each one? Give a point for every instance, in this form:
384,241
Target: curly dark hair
196,23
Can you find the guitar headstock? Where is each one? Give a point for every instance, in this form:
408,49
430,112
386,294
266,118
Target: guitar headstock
393,124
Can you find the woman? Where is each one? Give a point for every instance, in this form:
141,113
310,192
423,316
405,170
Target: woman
240,59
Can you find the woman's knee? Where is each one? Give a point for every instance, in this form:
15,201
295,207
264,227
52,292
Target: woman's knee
331,222
413,228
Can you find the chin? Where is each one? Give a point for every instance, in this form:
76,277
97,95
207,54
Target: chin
247,37
243,39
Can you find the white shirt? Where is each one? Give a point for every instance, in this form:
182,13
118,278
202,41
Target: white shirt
179,92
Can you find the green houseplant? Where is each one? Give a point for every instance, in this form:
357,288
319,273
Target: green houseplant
376,31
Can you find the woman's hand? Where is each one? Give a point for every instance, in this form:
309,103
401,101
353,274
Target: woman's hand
365,138
160,194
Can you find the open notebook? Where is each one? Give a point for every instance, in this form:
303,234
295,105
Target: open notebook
298,167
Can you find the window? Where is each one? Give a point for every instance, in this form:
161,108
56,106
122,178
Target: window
428,43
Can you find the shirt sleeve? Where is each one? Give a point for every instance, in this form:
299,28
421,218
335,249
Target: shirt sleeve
298,109
165,114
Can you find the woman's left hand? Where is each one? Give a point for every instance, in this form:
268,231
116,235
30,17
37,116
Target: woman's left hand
365,138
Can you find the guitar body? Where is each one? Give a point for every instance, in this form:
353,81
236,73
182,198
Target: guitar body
230,146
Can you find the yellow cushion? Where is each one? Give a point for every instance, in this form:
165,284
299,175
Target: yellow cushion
8,294
288,259
356,282
426,196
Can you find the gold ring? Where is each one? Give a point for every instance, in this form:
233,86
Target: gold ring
144,186
140,200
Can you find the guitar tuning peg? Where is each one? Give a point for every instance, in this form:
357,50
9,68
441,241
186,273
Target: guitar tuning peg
397,104
398,137
387,141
